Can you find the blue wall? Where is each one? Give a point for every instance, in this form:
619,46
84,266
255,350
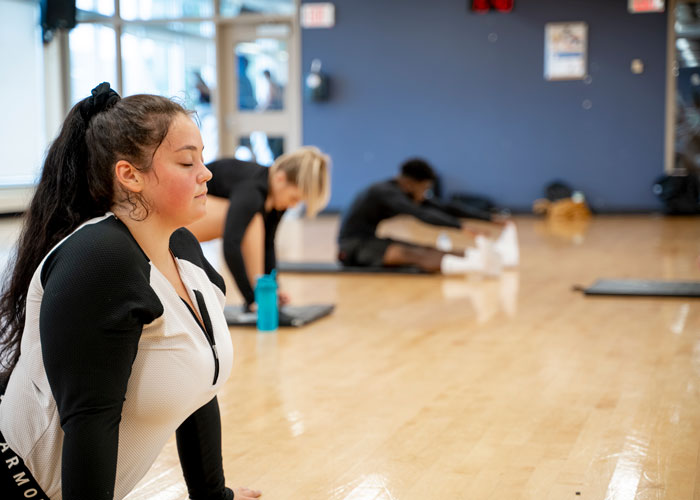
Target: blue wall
418,77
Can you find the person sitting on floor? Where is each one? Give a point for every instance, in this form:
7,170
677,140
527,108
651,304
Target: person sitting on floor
406,195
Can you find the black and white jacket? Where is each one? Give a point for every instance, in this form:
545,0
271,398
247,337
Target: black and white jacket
113,362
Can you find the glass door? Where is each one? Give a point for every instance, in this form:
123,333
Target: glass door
260,96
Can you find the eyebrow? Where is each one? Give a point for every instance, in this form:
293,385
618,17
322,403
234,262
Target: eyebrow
193,148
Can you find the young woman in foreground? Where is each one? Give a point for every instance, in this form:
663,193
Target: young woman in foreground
113,336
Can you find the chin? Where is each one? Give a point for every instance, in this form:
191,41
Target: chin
195,215
199,214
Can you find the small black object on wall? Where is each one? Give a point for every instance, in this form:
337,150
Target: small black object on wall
316,83
56,14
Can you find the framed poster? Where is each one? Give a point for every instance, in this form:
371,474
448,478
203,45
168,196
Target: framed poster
565,51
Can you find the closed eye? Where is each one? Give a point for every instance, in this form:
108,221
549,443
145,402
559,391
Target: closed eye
186,164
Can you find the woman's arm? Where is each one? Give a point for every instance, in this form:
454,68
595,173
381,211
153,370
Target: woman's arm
459,210
271,255
400,203
199,448
253,248
245,204
96,300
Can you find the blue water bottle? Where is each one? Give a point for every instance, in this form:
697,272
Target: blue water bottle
266,298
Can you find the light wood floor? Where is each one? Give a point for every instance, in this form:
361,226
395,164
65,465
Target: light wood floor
428,387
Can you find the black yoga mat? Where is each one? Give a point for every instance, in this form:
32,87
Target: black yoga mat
337,267
644,288
289,315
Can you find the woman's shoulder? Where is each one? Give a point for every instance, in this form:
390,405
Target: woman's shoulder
237,170
185,246
102,276
101,246
230,175
252,174
251,190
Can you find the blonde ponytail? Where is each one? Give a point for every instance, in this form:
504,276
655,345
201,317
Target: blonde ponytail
308,169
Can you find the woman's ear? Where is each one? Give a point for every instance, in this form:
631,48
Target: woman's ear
128,176
280,177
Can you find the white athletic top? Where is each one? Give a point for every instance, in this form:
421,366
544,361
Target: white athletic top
113,362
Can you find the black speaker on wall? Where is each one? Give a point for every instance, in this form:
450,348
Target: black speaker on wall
55,15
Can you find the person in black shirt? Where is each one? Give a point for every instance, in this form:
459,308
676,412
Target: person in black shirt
406,195
247,202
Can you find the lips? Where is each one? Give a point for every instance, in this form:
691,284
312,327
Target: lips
201,194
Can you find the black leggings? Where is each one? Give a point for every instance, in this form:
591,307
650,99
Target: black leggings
16,482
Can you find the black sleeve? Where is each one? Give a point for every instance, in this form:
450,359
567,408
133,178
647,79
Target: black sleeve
401,204
246,201
199,448
96,300
270,256
458,210
270,232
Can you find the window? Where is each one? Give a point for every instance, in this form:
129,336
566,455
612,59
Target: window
165,9
238,7
168,48
23,136
259,148
93,58
174,60
103,7
262,74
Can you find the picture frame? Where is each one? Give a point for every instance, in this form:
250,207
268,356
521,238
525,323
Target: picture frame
566,51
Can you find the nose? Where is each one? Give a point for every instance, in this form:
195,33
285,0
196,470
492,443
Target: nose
205,175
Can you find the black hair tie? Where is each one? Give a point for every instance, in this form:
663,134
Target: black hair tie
102,98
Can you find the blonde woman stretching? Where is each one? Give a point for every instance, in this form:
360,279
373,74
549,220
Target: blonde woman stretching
246,204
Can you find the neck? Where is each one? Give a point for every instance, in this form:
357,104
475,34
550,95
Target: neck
403,184
152,235
269,203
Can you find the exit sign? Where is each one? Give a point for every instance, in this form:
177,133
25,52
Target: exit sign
639,6
317,15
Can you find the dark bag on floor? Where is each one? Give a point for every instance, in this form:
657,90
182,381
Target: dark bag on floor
680,193
558,190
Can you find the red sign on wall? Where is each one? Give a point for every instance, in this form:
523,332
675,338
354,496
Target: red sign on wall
318,15
639,6
486,5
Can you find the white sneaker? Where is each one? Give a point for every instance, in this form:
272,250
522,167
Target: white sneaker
483,260
491,259
507,245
